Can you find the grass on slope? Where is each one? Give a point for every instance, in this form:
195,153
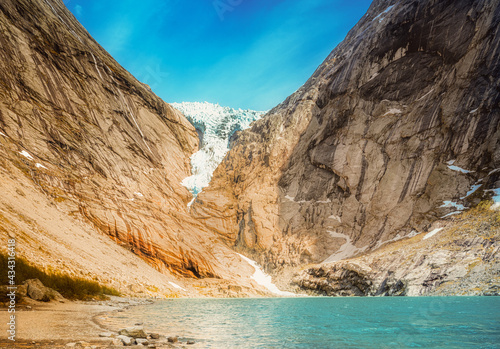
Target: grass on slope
70,287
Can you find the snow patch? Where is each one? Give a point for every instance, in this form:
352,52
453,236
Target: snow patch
496,195
26,155
397,238
472,190
139,194
3,134
345,251
290,198
217,124
412,234
392,111
40,166
459,169
191,202
456,168
432,233
494,171
451,214
337,218
459,207
176,286
327,201
263,279
473,111
381,16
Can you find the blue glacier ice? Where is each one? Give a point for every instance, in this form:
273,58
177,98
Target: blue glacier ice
215,125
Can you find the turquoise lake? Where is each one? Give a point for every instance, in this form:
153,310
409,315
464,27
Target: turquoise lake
390,322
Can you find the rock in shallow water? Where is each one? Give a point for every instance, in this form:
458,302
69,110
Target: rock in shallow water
173,339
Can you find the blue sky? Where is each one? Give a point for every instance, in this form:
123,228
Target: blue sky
238,53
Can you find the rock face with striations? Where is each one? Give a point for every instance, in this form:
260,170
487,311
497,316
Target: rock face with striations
393,131
97,144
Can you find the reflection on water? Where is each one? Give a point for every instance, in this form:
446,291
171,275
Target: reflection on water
426,322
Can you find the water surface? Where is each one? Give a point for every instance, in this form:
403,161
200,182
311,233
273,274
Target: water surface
390,322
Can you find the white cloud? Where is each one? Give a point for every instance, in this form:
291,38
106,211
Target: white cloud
78,10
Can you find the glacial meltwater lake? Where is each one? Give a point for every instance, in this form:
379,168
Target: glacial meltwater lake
390,322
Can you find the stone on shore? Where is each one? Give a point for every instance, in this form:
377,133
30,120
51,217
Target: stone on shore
154,336
37,291
135,332
127,341
142,341
117,342
173,339
105,334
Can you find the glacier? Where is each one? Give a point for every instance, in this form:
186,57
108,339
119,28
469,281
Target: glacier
215,125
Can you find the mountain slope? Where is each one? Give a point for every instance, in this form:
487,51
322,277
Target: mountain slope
398,127
104,152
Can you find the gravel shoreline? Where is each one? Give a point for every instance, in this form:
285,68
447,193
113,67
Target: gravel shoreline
77,325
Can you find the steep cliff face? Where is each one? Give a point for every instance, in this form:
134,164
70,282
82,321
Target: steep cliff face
397,128
101,148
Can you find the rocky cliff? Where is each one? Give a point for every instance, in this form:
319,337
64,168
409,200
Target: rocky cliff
91,157
460,257
398,128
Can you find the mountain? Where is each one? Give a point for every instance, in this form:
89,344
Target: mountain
215,126
379,176
92,163
394,135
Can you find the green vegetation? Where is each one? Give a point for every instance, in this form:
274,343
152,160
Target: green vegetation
70,287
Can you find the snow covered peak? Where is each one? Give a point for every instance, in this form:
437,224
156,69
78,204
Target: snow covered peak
216,124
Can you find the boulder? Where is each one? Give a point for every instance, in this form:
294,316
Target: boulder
154,335
37,291
22,290
117,342
142,341
135,332
173,339
127,341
